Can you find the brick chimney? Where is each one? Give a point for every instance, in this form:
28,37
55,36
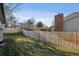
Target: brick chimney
59,20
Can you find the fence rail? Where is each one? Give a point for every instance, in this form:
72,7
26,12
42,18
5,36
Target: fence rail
70,40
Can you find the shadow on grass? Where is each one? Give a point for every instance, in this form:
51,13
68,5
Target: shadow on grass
41,48
9,48
33,47
13,34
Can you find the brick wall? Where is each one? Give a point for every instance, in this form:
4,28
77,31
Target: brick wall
59,22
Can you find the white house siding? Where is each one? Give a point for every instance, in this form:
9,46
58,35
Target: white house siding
72,25
1,33
1,37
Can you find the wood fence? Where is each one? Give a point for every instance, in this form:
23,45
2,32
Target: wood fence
69,40
11,30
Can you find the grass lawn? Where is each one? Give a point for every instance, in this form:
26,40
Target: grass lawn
18,45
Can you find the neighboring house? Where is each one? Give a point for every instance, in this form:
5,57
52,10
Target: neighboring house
51,28
2,23
43,28
69,23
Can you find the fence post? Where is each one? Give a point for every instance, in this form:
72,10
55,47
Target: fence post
39,35
76,40
58,38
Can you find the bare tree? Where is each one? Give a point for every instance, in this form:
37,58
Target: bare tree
10,8
13,7
30,23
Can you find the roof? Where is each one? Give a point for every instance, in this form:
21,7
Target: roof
71,16
68,18
51,27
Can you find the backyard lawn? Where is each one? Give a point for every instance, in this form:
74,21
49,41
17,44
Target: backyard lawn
18,45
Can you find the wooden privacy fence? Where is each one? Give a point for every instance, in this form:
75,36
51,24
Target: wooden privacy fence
11,30
69,40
